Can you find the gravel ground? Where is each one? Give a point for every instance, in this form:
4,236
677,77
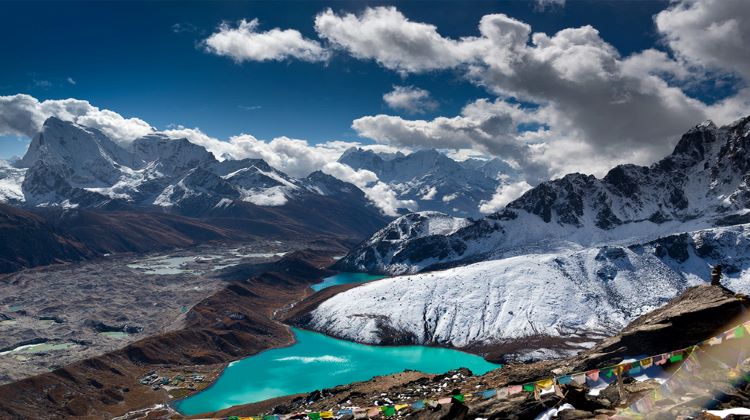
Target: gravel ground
52,316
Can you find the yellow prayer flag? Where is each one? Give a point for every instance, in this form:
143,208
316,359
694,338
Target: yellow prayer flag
326,414
400,407
545,383
647,362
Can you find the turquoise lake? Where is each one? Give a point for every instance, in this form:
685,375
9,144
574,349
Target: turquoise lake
345,278
317,361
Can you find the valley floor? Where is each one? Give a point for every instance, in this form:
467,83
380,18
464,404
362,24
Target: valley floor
55,315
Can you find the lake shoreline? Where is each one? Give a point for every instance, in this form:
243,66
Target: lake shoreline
289,315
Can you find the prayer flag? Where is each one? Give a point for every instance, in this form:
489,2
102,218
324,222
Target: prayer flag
608,372
503,392
489,394
314,416
344,412
458,397
634,371
388,410
647,363
326,414
373,412
661,359
593,375
675,358
739,332
579,378
514,389
444,401
545,384
529,387
564,380
400,407
419,405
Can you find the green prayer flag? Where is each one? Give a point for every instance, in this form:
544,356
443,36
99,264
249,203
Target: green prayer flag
739,332
233,418
675,358
459,397
314,416
388,410
528,387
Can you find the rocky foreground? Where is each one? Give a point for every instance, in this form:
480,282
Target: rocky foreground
696,315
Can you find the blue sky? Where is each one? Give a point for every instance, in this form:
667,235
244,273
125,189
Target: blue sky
126,56
578,85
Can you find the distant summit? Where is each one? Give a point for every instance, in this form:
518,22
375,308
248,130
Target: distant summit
433,180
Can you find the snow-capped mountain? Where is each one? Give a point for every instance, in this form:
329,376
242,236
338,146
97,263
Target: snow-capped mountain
72,166
571,260
536,305
703,183
433,180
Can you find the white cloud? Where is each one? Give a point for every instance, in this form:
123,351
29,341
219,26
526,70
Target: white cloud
71,80
245,43
298,158
24,115
504,195
385,198
710,33
385,35
410,99
547,4
487,127
582,92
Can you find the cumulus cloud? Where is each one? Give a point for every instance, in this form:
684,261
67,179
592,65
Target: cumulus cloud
504,195
577,87
709,33
488,127
298,158
24,115
385,35
410,99
245,43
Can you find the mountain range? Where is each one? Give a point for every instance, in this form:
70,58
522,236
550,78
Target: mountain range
570,261
434,181
158,192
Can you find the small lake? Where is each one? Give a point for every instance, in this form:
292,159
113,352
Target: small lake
345,278
317,361
38,348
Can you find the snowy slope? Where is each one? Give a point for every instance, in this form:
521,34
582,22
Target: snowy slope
702,184
69,166
11,179
580,294
433,180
